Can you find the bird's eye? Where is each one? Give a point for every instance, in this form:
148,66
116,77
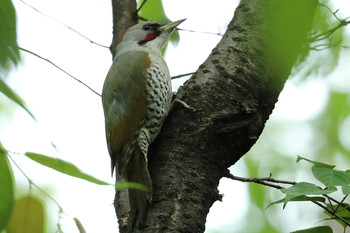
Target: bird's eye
146,27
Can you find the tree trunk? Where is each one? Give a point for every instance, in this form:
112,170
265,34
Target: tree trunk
124,16
233,93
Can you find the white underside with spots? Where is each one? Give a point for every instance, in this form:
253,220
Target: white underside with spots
159,94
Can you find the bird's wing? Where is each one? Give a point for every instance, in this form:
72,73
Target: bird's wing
124,104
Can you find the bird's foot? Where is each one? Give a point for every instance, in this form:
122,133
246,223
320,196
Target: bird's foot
184,104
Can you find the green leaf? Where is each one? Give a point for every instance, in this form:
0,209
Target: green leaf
6,190
346,190
315,162
153,10
257,193
27,216
79,225
63,167
329,126
8,44
299,198
330,177
320,229
7,91
304,188
129,185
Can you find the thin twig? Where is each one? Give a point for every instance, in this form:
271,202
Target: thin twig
47,60
263,181
212,33
330,204
341,203
334,200
342,22
142,18
326,34
321,47
182,75
329,9
64,25
334,214
143,3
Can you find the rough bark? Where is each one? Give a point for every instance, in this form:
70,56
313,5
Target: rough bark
233,93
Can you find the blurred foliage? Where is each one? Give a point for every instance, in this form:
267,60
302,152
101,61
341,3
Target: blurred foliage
324,42
286,27
28,216
153,10
8,36
9,93
328,126
6,190
256,196
9,52
278,146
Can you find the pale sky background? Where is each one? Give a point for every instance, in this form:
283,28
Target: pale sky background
71,116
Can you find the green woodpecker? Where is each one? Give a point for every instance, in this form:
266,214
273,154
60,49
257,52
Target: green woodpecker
136,98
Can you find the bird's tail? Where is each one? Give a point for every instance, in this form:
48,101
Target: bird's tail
137,171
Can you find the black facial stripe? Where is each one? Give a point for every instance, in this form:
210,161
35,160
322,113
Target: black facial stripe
154,27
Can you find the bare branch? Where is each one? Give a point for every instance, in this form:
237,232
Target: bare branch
64,25
264,181
332,213
182,75
341,203
47,60
212,33
143,3
142,18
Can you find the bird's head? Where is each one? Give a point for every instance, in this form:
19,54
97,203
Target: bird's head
148,34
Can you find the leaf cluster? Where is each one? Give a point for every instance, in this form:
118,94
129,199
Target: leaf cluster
8,36
327,35
331,179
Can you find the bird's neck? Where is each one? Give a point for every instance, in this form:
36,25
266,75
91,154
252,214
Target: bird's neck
134,46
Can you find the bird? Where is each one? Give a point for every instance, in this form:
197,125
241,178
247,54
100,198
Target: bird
136,99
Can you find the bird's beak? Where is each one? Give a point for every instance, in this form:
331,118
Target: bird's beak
171,26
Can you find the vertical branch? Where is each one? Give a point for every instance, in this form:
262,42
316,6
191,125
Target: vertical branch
124,16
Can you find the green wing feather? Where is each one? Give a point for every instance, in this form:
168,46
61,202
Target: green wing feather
124,103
